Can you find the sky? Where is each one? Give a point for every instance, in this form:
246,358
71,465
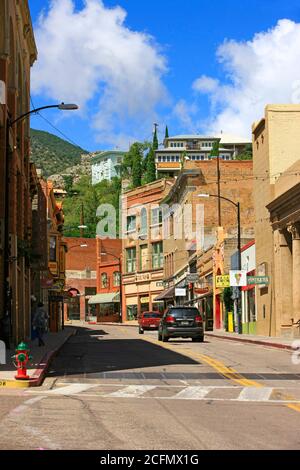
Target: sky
198,66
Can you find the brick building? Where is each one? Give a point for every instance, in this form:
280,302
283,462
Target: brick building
276,141
143,258
81,278
192,232
108,300
17,54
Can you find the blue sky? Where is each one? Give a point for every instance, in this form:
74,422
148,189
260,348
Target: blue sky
203,70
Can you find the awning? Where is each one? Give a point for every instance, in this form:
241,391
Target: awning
166,294
113,298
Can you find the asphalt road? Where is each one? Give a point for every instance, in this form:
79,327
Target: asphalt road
113,389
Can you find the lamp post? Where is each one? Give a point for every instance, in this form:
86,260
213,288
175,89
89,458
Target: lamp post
7,291
105,253
238,207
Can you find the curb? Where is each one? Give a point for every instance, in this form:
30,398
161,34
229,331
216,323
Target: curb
256,342
38,376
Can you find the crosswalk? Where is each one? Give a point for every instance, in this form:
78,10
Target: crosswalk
172,392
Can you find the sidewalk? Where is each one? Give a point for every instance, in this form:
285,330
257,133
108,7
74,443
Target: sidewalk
271,341
41,359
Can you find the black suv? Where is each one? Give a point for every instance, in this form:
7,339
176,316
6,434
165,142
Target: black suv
181,322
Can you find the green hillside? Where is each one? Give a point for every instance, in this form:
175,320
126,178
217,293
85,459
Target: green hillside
52,154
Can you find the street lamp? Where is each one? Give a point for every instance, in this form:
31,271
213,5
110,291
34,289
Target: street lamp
61,106
7,291
83,245
238,207
105,253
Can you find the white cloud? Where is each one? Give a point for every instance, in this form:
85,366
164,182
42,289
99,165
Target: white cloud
185,112
90,55
261,71
205,84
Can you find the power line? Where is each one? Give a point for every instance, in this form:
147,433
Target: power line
54,127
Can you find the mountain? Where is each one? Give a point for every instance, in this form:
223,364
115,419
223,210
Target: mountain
53,154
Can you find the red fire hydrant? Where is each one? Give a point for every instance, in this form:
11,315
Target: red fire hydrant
22,357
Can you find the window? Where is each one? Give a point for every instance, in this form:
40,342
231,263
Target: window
52,249
168,159
157,255
131,260
104,281
131,223
144,223
156,218
117,279
159,159
164,159
177,159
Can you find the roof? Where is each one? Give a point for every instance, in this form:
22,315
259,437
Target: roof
112,298
225,138
99,156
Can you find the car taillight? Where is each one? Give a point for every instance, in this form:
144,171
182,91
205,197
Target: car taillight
199,319
170,319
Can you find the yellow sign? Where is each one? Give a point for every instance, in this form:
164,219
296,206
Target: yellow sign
222,281
230,322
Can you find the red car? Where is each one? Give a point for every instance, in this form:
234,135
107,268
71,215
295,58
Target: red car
149,321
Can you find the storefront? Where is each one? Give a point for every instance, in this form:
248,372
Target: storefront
107,307
248,293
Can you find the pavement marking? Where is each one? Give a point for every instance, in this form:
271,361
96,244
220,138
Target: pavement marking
192,393
132,391
71,389
255,394
222,369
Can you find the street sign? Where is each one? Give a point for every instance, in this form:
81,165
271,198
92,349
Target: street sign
258,280
180,292
238,278
192,278
222,281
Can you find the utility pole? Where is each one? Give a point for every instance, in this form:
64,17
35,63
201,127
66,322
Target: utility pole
219,190
82,221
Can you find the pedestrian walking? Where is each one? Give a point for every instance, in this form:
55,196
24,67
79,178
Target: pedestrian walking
40,322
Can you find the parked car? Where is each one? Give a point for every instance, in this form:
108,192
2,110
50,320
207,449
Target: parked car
181,322
149,321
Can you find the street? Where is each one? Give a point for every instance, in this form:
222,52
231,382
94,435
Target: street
113,389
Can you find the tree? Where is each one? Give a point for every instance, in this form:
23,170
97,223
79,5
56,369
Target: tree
215,150
155,140
127,165
167,133
151,167
246,154
68,182
136,168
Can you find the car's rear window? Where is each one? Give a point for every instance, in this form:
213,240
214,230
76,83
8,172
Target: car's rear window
151,315
184,312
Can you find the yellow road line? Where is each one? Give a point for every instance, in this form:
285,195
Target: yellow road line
222,369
